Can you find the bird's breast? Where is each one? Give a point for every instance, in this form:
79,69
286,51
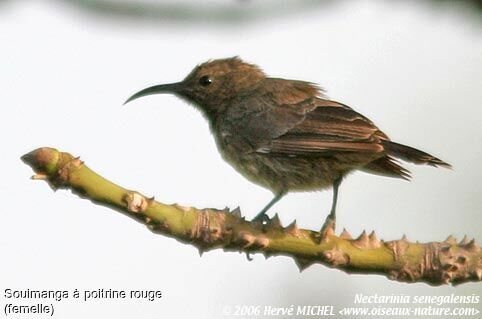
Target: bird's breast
276,173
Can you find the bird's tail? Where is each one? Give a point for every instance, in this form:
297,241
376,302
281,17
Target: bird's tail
412,155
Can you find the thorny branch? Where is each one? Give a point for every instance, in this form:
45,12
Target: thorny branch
434,263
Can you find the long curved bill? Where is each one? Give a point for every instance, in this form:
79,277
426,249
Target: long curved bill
156,89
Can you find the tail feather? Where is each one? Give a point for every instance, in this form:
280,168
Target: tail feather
387,166
412,155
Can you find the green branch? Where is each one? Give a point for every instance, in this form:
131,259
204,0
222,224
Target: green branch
435,263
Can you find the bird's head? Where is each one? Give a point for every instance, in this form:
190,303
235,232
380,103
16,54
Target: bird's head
211,85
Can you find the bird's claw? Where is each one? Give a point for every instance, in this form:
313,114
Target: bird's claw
262,219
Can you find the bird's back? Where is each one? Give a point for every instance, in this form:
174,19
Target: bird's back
288,132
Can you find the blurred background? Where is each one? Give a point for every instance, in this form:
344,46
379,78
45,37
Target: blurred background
413,67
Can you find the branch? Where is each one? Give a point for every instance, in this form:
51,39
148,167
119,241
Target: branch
435,263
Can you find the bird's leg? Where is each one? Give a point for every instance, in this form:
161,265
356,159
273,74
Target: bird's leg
261,216
330,221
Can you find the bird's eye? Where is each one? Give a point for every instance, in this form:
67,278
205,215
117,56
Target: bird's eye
205,80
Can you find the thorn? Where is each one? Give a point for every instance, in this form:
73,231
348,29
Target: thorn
329,231
362,240
200,251
445,249
151,200
345,234
478,274
236,212
303,263
183,208
472,245
464,241
267,254
393,275
373,240
447,277
404,238
293,229
451,240
248,256
274,222
39,177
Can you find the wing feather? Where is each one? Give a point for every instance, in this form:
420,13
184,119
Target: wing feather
327,127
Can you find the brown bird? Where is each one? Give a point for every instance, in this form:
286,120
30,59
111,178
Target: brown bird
287,135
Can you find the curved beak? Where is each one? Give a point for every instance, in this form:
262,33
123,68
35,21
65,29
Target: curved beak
157,89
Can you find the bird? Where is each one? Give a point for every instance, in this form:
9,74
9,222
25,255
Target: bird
287,135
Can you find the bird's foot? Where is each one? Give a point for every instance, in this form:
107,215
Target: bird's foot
328,228
261,219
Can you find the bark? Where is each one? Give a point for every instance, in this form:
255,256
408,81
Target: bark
436,263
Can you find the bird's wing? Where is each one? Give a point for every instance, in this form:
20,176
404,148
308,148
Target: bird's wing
256,120
323,128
